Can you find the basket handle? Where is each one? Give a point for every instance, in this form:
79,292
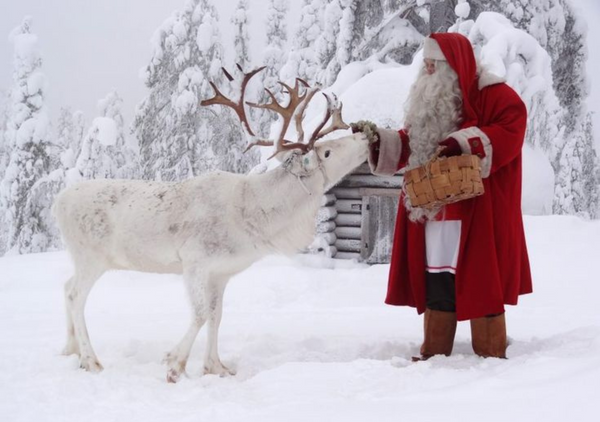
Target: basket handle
435,156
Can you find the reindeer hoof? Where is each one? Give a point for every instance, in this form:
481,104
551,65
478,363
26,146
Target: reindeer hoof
90,365
173,376
219,369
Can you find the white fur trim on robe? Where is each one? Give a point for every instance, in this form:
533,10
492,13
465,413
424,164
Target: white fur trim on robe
487,78
390,150
463,136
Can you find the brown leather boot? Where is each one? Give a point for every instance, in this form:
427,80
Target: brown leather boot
440,328
488,336
426,316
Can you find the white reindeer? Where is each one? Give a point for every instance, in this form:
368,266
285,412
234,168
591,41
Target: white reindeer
207,228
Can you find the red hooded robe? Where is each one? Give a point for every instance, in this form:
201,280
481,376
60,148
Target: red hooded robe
493,266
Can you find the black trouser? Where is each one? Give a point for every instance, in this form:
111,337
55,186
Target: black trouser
440,292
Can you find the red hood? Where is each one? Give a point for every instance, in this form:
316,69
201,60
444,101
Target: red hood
459,53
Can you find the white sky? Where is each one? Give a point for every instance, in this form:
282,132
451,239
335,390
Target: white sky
91,47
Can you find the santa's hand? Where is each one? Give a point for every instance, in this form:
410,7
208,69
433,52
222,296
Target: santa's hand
368,128
451,147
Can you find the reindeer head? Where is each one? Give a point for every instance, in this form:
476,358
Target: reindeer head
335,158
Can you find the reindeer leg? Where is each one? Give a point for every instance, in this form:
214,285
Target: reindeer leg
76,292
214,290
177,359
72,347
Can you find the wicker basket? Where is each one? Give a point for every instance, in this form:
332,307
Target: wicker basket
444,180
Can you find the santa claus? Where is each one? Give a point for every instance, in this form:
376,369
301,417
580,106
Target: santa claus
466,260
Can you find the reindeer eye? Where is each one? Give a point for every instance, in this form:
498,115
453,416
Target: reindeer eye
327,153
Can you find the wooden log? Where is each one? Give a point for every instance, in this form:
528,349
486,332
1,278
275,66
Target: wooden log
326,214
368,180
346,193
328,200
348,245
348,232
351,220
330,237
326,226
394,193
349,206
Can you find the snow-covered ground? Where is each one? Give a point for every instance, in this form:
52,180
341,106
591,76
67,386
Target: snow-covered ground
311,340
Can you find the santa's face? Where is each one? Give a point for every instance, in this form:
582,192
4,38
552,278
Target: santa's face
429,66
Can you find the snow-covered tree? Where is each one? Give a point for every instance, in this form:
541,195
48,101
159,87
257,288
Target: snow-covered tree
3,122
349,27
301,61
577,190
67,140
348,35
241,40
125,152
174,80
273,58
104,152
177,138
560,30
39,232
326,45
27,140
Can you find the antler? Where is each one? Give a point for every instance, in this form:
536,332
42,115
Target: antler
334,110
300,114
288,112
238,107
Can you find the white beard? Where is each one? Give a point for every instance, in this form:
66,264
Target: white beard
433,111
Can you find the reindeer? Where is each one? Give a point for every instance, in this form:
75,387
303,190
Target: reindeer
207,228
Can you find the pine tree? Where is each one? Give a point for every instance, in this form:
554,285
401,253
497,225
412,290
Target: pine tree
124,153
241,40
273,58
301,61
164,149
346,36
65,139
576,185
164,127
232,141
39,232
104,153
344,27
177,138
569,184
326,45
28,141
4,153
